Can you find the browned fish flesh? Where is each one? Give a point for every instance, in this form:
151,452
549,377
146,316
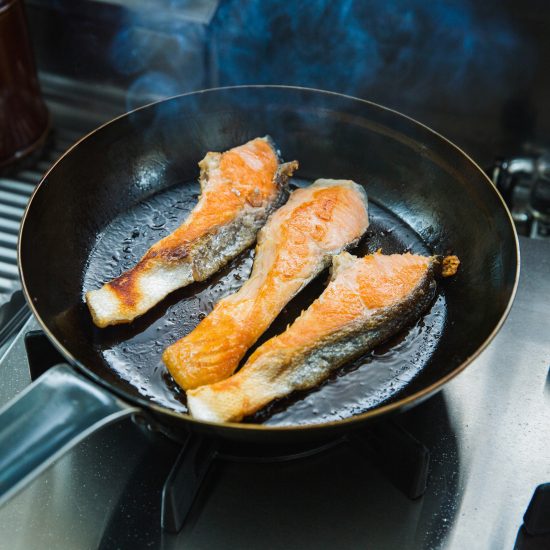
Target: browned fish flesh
295,245
239,189
366,301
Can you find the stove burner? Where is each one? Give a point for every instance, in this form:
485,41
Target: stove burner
388,445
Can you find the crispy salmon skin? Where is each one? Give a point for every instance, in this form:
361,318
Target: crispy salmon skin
295,245
366,301
239,189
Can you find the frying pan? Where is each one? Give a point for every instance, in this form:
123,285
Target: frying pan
133,180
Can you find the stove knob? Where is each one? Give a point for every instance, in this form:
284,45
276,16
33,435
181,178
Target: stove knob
507,174
543,166
537,517
540,193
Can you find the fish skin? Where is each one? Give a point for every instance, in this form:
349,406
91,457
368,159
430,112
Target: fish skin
239,190
367,301
295,245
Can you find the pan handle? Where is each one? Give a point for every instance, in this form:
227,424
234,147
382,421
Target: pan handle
45,420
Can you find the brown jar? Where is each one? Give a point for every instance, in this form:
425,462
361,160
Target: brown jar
24,119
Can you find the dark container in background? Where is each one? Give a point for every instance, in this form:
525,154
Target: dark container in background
24,119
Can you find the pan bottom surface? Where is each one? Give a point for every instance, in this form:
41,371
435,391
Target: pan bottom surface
134,351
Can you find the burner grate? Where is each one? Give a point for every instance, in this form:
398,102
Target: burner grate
17,184
388,445
14,195
397,453
16,187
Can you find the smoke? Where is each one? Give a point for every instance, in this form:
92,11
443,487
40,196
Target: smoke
162,56
402,49
439,53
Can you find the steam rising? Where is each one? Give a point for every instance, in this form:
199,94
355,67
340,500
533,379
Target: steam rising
393,51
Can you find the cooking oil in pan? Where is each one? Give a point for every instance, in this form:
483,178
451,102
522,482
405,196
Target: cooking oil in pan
134,351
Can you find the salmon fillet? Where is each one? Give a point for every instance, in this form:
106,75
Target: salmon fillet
295,245
239,189
366,301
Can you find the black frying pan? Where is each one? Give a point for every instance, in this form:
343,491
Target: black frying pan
133,180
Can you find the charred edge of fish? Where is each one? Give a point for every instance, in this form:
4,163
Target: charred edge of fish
125,287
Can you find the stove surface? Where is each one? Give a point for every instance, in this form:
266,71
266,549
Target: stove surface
487,431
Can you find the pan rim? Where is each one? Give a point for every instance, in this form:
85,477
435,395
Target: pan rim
375,413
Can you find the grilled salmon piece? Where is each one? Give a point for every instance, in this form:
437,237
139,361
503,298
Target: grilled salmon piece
239,189
295,245
366,301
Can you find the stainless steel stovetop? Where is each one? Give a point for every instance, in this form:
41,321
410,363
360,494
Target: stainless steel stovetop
488,432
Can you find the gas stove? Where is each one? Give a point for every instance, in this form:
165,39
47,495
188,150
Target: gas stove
470,466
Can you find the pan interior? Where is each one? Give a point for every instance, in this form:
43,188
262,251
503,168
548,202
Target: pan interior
134,351
86,218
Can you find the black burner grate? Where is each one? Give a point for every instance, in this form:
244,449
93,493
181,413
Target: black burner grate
388,445
16,186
